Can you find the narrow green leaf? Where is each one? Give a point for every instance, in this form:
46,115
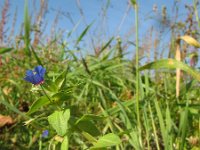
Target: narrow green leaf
42,101
11,107
91,117
162,124
106,45
107,140
60,80
183,128
171,64
83,34
59,121
89,137
36,56
5,50
26,28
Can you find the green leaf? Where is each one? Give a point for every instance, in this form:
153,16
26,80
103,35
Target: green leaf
42,101
133,2
26,28
91,117
171,64
5,50
88,126
60,80
65,144
11,107
89,137
183,127
83,34
60,96
162,124
36,56
106,45
59,121
107,140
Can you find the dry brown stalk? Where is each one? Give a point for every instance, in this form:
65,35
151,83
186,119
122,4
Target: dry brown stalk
3,20
178,71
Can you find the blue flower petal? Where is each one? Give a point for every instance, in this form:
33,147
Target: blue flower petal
40,70
29,79
29,73
35,77
45,133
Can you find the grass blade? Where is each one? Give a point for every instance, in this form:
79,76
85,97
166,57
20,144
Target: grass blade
172,64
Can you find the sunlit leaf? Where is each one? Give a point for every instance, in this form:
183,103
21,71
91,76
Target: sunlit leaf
42,101
171,64
5,50
190,40
59,121
65,143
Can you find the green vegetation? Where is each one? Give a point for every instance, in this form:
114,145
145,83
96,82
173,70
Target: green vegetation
101,101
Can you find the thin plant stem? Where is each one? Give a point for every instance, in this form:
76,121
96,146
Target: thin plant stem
137,67
137,73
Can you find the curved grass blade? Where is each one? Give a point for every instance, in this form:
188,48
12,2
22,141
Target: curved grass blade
171,64
83,34
190,40
5,50
11,107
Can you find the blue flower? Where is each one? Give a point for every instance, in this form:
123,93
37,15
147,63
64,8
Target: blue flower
45,133
35,76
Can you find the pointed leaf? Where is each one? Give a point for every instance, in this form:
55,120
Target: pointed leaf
107,140
83,34
42,101
171,64
5,50
190,40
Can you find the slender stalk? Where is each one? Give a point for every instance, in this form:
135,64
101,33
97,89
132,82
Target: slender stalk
196,12
137,67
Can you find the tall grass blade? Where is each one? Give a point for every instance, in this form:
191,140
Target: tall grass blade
162,125
27,28
183,127
172,64
83,34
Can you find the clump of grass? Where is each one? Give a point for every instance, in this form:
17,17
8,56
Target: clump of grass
110,91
